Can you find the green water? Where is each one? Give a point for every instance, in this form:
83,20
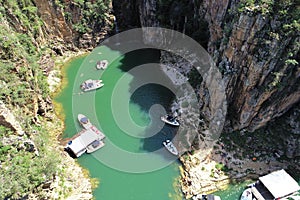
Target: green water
132,165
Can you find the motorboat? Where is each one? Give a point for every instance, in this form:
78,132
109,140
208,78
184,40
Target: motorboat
95,145
170,120
84,121
171,147
90,84
102,64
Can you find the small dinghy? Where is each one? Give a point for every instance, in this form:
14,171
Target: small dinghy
102,64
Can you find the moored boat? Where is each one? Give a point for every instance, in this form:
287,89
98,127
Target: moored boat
84,121
206,197
102,64
97,144
247,194
170,120
171,147
90,84
276,185
86,141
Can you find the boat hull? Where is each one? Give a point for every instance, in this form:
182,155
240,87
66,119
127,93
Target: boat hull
247,194
171,147
96,84
95,146
173,123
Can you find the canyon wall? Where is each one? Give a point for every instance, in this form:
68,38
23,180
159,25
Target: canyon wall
255,46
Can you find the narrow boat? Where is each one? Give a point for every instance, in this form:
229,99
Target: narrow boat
170,147
102,64
169,120
84,121
90,84
206,197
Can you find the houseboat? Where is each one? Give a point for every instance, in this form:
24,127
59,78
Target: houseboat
86,141
276,185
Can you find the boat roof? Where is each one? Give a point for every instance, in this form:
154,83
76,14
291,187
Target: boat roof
84,120
82,141
280,183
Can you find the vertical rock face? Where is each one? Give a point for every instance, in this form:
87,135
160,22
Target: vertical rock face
147,10
56,24
255,56
255,46
127,13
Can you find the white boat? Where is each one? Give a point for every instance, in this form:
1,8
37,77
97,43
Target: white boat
170,147
276,185
84,121
102,64
86,141
206,197
90,84
170,120
247,195
97,144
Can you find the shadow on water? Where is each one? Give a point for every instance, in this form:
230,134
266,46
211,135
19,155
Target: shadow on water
147,95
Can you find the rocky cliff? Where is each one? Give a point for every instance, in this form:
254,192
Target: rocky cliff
258,53
254,44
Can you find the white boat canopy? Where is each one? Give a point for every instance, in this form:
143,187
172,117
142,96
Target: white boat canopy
81,142
280,183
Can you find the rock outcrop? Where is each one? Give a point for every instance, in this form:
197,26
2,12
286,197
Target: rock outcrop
8,120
